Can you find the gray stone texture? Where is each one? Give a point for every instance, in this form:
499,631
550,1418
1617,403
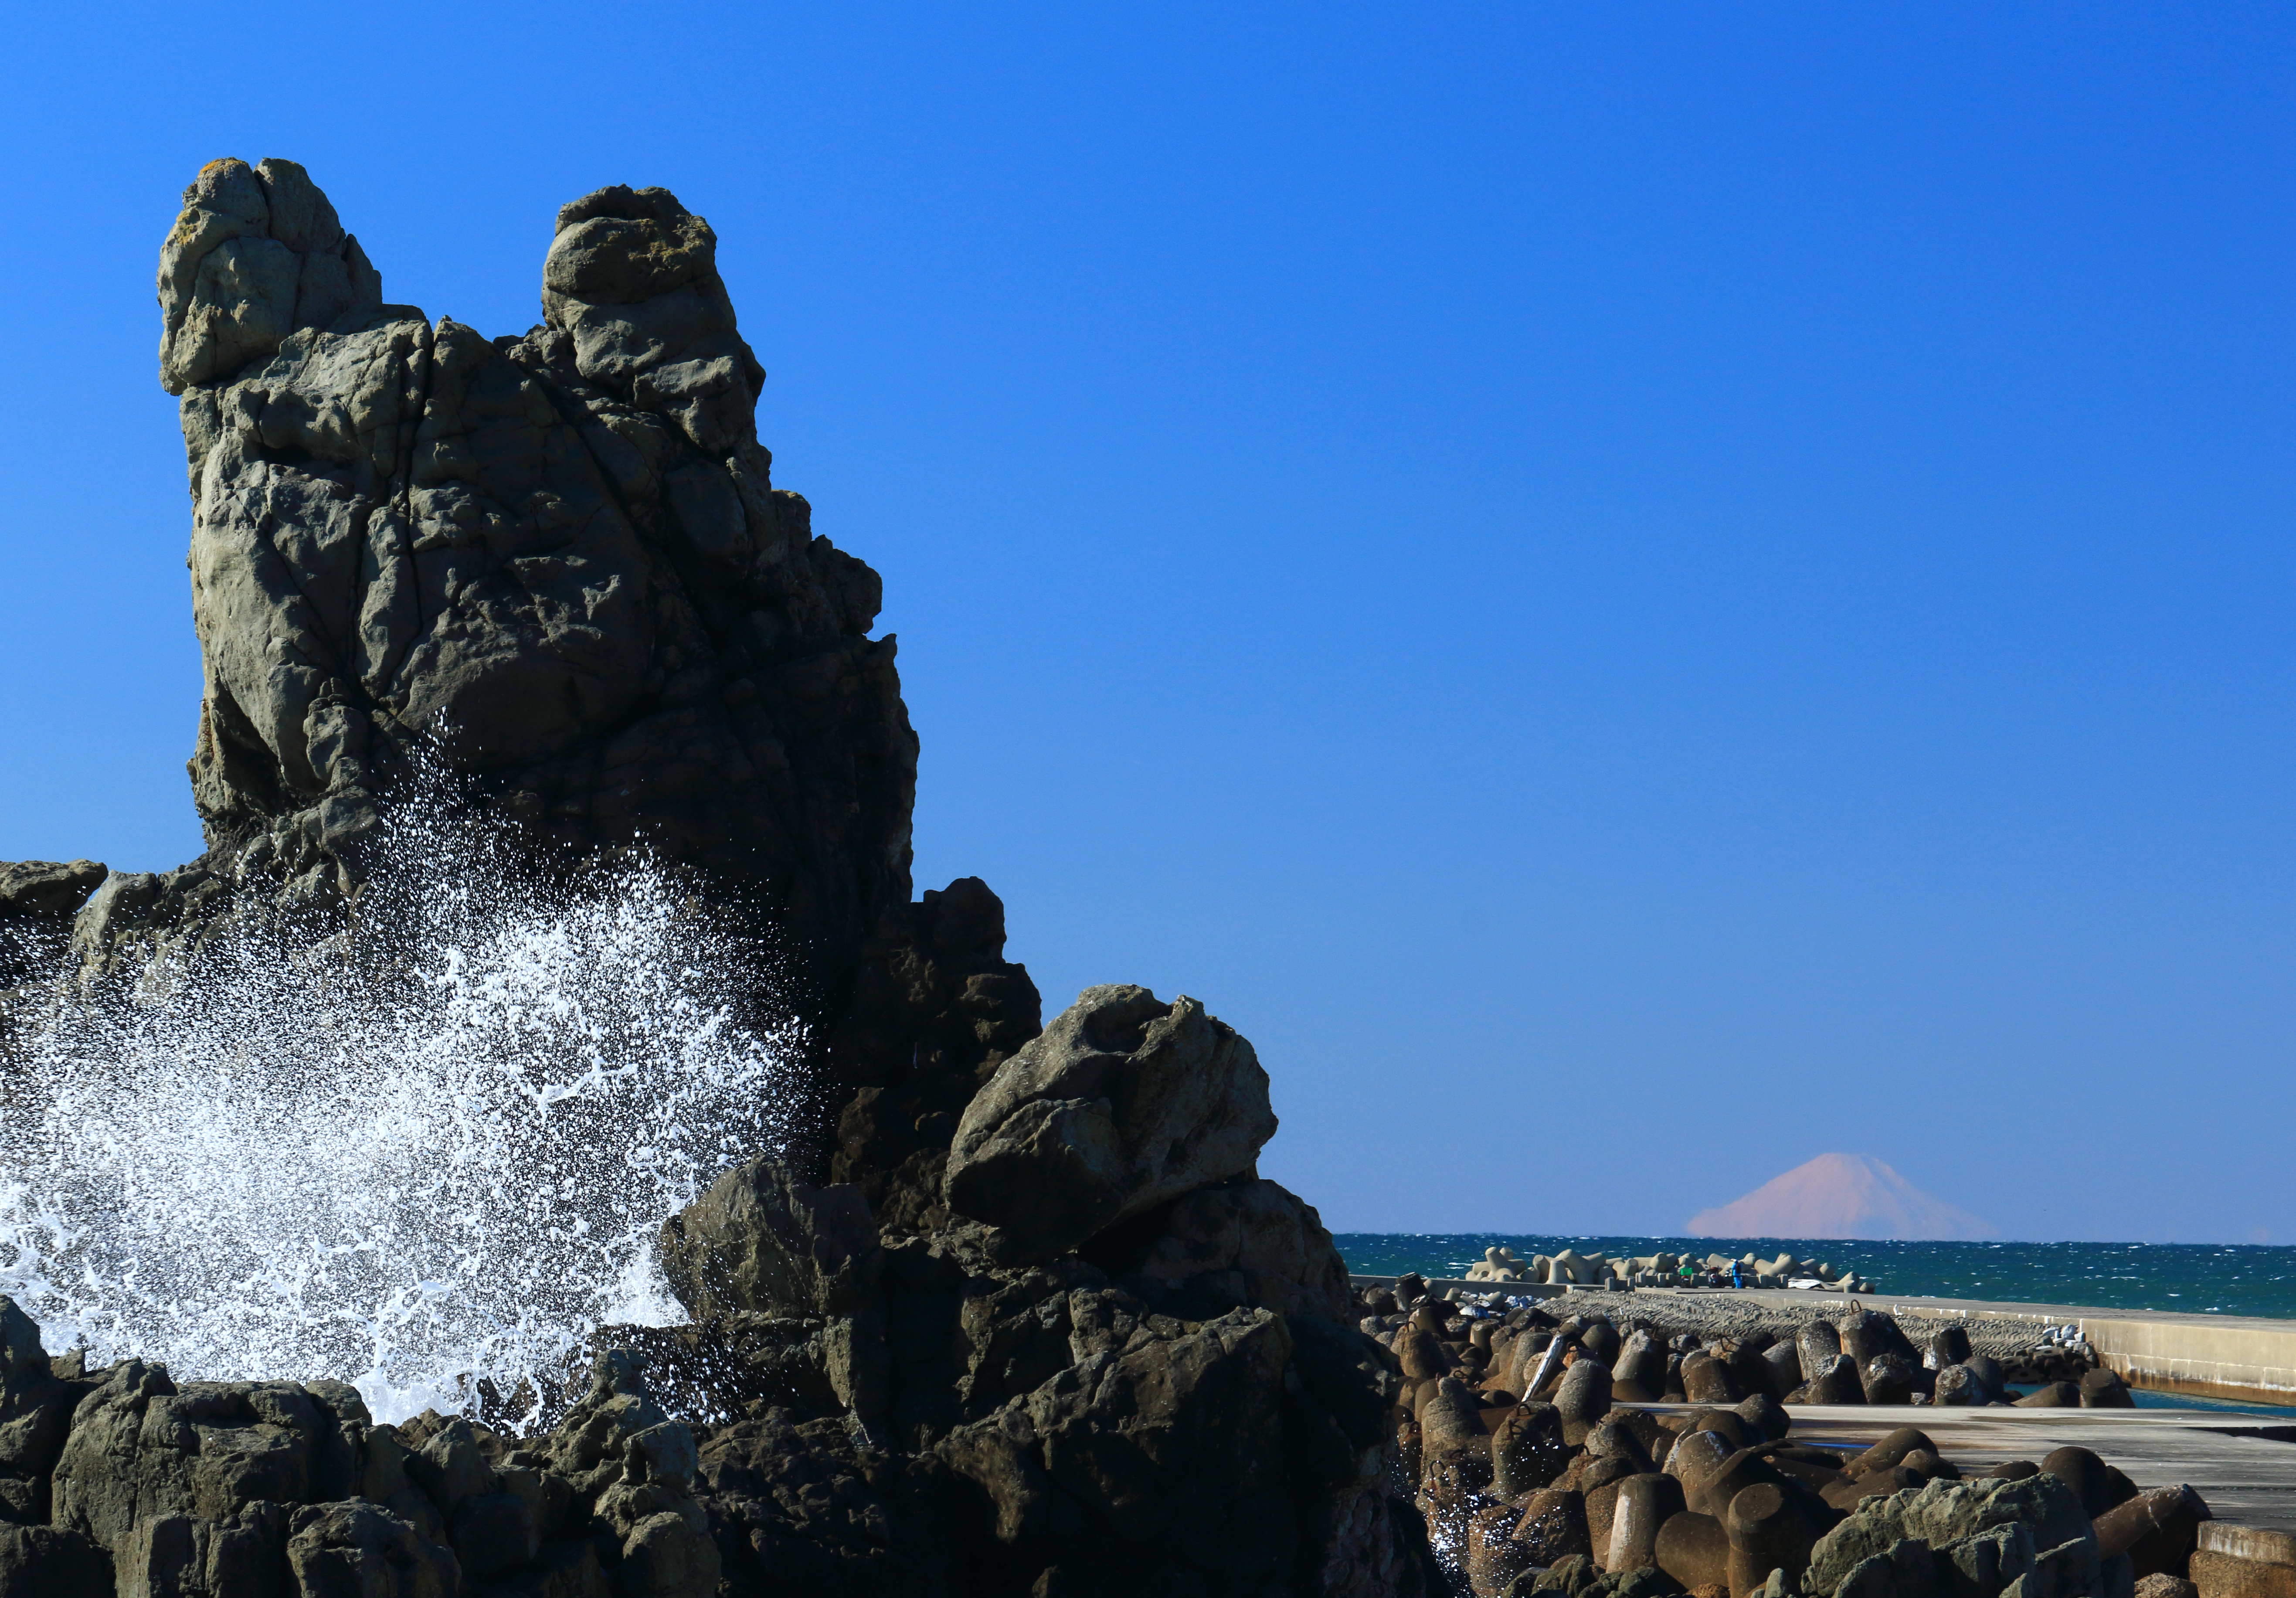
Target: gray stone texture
1029,1323
558,556
1122,1104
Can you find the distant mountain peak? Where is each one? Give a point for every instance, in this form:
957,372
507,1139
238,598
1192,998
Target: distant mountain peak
1839,1195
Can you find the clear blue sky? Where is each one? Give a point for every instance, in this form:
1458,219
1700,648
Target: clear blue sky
1635,592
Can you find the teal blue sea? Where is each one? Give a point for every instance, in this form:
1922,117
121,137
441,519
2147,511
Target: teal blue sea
2197,1278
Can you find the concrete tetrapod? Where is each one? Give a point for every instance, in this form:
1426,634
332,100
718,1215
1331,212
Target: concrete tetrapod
1645,1502
1553,1526
1768,1531
1694,1550
2157,1529
1584,1398
1527,1452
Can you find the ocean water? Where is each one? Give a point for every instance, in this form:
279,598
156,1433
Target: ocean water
2192,1278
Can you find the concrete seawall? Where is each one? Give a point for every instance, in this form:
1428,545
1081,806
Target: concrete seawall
2243,1358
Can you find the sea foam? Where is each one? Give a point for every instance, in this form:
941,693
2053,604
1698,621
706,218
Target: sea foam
425,1153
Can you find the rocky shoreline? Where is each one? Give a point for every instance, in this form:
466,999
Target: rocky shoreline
1013,1312
1115,1360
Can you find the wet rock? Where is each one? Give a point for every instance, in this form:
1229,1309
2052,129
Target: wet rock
141,1450
1493,1558
1527,1452
1358,1540
1122,1104
1552,1527
1168,1439
763,1242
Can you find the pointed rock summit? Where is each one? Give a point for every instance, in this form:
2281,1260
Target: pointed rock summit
1839,1195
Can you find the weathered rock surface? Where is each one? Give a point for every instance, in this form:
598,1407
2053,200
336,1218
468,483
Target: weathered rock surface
252,1489
1122,1104
1991,1532
1171,1402
37,901
557,558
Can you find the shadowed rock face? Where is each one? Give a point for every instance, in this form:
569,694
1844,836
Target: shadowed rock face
561,555
1043,1329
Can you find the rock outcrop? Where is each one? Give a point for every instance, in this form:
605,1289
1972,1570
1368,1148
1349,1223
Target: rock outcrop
1122,1104
556,559
1023,1318
1164,1396
1177,1404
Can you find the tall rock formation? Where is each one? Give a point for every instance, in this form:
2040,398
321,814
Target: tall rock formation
559,557
1021,1318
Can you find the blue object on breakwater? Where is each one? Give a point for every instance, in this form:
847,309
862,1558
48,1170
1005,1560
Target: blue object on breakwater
2191,1278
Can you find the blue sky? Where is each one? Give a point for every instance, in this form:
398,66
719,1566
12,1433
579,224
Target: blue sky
1635,592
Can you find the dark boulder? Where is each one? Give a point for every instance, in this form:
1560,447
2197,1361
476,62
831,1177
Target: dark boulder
1122,1104
35,1412
43,1561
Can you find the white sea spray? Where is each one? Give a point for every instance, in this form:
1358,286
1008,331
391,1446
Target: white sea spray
428,1150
